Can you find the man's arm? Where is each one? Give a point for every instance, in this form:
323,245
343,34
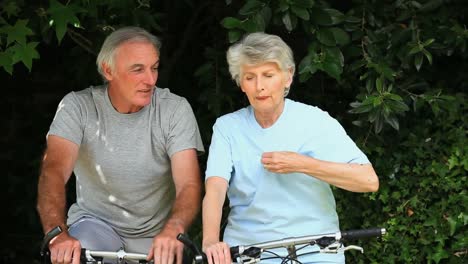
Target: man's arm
57,165
186,175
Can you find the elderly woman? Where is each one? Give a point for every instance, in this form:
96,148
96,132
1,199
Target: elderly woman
276,159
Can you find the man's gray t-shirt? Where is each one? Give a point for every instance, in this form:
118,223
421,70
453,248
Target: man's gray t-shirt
123,170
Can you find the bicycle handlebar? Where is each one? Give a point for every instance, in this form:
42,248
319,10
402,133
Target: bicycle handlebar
91,256
88,256
327,242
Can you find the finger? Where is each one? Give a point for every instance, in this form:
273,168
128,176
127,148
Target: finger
216,257
60,255
150,252
170,254
67,256
180,254
76,255
267,154
227,254
209,256
164,254
53,256
158,254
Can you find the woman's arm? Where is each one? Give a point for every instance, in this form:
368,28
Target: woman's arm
349,176
215,195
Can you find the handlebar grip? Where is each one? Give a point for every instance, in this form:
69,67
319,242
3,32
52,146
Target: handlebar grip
48,237
200,257
363,233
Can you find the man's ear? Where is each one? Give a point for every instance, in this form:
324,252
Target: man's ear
107,71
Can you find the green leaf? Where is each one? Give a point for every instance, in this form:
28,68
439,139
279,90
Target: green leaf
249,25
428,55
369,85
259,22
6,62
415,49
266,14
335,15
231,22
431,5
304,65
379,85
18,32
377,101
62,15
25,53
333,69
341,37
287,21
393,121
352,19
326,36
304,3
321,17
334,55
418,61
428,42
360,108
302,13
234,35
251,7
282,7
11,8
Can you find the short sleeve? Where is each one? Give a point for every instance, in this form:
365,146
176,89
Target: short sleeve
336,145
68,120
220,154
183,131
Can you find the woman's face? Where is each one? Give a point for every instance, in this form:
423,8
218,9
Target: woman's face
264,86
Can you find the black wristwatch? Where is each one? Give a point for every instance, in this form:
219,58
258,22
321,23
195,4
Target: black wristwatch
48,237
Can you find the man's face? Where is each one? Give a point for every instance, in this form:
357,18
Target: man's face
132,81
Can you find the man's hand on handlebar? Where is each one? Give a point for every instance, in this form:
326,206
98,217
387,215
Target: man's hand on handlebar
217,253
64,249
166,249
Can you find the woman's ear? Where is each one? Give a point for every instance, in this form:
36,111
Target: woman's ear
289,77
106,69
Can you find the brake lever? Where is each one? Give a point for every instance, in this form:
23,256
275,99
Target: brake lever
353,247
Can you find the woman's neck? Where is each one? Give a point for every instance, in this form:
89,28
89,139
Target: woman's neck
267,119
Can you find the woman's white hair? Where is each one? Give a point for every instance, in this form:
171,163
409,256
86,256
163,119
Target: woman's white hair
257,48
115,39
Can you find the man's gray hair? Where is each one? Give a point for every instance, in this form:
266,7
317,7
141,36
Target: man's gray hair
257,48
117,38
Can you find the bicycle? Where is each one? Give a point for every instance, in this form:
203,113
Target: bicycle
92,256
331,243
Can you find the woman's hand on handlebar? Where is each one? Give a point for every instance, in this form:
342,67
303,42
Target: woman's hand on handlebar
64,249
217,253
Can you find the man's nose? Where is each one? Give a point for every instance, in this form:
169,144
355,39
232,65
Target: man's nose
151,77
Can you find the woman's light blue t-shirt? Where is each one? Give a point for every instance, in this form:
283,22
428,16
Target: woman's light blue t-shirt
267,206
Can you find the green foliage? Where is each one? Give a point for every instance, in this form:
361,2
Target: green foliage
392,72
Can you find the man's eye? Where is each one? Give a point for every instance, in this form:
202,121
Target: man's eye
155,69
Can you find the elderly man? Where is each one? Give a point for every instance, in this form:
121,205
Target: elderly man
133,149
